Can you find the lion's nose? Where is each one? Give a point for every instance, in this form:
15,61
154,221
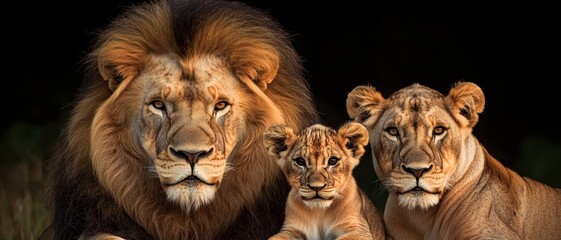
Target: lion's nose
191,156
417,172
316,188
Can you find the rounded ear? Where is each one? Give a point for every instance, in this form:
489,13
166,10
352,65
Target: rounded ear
112,75
277,139
354,137
259,65
364,102
117,62
466,100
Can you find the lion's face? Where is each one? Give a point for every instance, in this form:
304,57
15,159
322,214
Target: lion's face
317,161
187,124
418,139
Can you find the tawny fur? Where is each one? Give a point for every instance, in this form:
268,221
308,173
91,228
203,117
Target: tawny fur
421,138
325,201
107,179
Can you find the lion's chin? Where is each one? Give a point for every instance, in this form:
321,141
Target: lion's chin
190,196
418,199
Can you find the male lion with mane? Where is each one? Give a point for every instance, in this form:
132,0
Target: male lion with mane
442,183
165,140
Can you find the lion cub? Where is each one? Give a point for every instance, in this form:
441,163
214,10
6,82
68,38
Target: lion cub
325,201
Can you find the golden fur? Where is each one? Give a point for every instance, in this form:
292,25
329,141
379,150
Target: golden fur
442,183
325,201
165,141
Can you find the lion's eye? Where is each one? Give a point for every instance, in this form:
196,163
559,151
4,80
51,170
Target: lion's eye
392,131
333,161
158,105
220,105
438,130
300,161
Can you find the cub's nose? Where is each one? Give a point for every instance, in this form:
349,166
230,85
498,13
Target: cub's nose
316,188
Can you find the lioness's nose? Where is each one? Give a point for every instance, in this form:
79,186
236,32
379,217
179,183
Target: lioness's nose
418,171
191,156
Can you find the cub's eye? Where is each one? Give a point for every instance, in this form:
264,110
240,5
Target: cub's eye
300,161
158,105
220,105
333,161
392,131
438,130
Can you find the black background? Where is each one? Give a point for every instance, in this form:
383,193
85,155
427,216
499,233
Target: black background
510,51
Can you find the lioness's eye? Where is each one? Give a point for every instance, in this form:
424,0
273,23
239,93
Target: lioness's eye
392,131
158,105
220,105
332,161
438,130
300,161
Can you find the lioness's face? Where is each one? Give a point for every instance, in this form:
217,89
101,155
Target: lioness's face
187,124
416,143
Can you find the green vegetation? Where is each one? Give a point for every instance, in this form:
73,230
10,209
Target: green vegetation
24,149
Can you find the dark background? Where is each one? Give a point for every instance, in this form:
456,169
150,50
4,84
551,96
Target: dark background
510,51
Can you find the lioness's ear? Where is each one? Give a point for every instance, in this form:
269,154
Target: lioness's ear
364,104
277,139
354,137
466,101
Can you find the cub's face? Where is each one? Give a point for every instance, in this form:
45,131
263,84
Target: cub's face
317,161
187,123
418,138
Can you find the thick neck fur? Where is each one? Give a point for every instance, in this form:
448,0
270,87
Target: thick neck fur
170,222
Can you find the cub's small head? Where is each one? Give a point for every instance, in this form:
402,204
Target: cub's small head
319,160
421,139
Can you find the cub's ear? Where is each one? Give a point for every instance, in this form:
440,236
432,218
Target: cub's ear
466,100
354,136
277,138
364,104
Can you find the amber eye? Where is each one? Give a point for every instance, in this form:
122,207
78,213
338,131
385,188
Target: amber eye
300,161
438,130
158,105
220,105
333,161
392,131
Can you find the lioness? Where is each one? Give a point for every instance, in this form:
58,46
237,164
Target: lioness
442,183
325,201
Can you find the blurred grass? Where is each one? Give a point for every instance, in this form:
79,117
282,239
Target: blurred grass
24,149
23,213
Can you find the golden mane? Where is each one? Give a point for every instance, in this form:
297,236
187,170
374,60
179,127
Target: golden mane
258,52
